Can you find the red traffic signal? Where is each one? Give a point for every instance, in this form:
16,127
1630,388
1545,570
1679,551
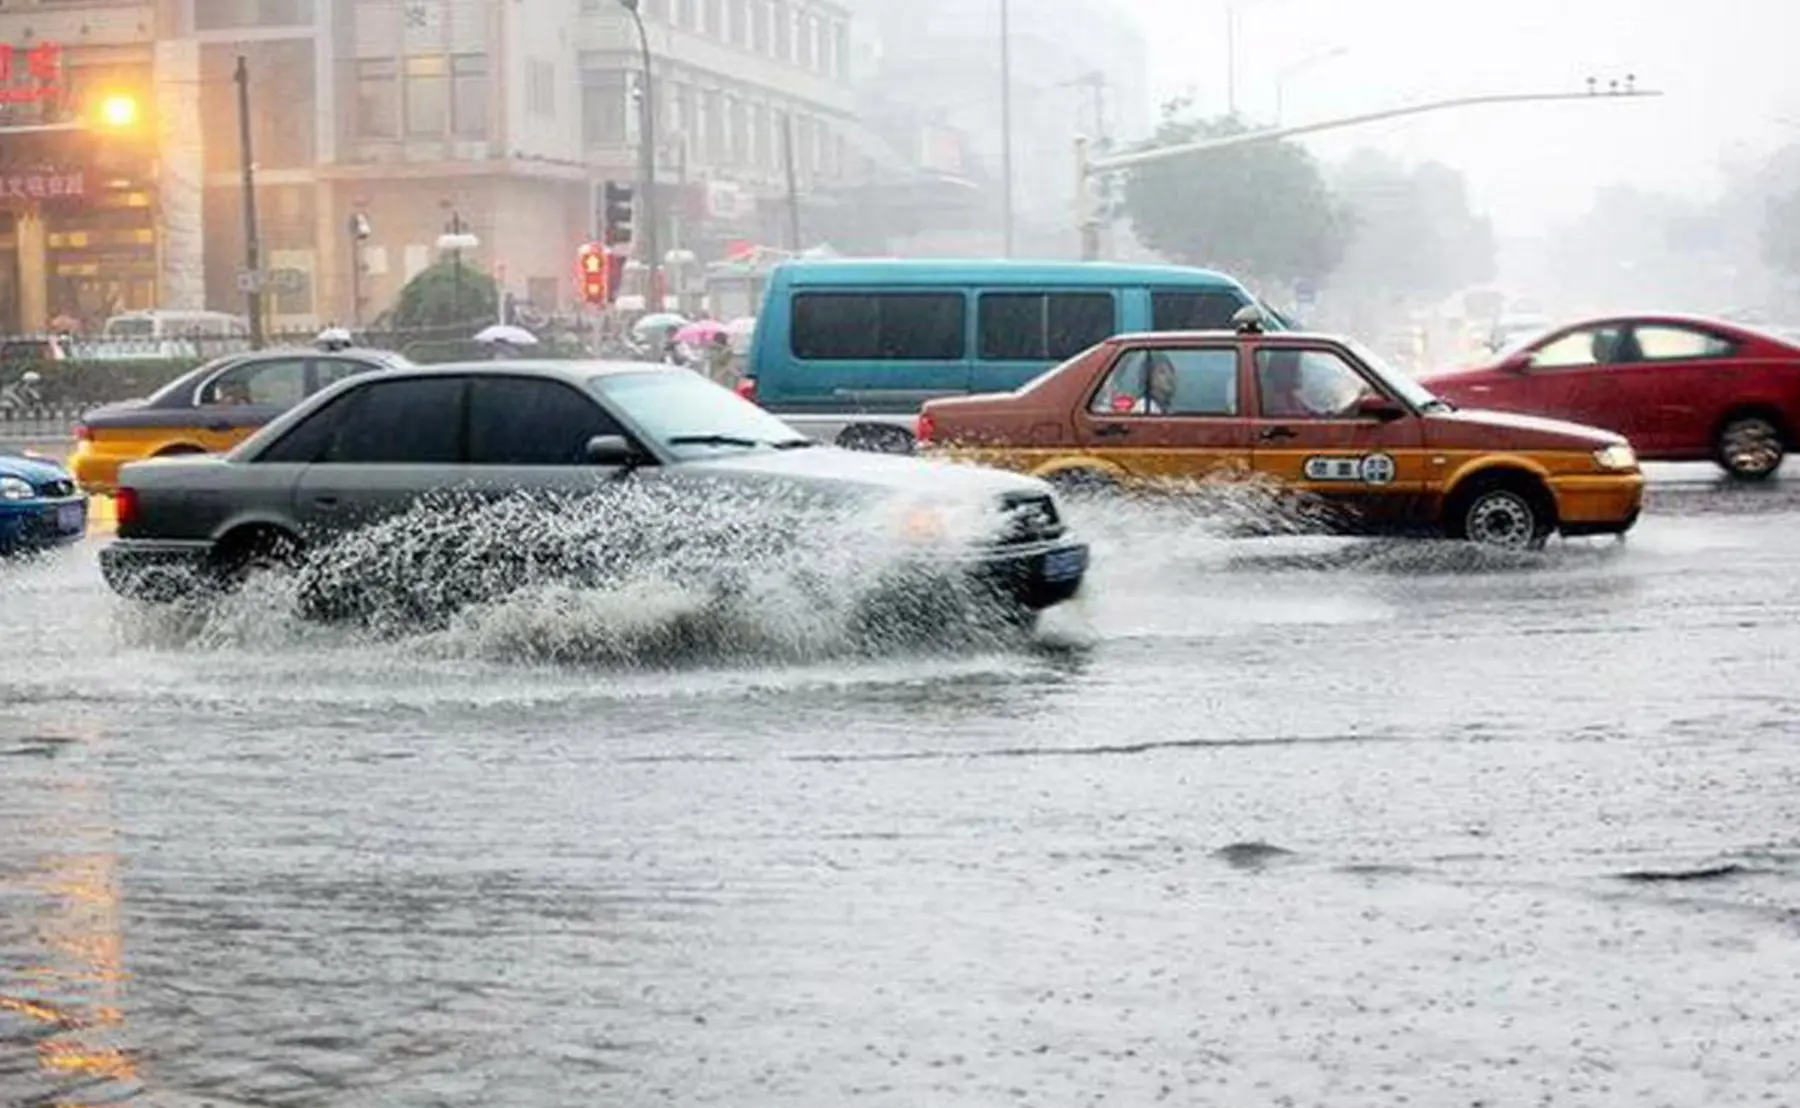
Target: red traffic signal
592,276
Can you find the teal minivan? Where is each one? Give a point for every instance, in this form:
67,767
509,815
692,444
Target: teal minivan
842,339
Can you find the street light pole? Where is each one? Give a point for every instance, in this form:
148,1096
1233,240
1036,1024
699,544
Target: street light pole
647,171
252,249
1087,167
1006,135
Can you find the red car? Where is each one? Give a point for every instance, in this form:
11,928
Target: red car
1680,388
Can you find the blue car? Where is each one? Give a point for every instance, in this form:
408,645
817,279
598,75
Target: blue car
39,504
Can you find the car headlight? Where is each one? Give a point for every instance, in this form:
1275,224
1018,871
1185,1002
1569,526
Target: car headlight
15,488
921,523
1616,457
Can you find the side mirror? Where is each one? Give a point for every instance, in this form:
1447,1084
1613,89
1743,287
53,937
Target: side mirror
1518,363
1379,407
612,450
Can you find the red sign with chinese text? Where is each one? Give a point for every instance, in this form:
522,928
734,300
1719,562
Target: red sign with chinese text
43,185
42,71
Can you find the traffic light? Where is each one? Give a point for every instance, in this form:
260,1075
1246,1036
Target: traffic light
591,277
615,215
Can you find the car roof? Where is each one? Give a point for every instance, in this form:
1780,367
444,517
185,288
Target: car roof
571,369
1171,338
953,271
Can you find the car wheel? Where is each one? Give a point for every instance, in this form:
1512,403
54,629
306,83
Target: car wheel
263,551
1750,448
176,451
879,439
1502,515
1082,482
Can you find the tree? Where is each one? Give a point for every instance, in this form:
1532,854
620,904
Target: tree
1412,234
439,297
1260,211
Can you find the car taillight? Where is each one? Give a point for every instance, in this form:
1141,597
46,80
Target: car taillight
125,507
82,434
746,388
924,429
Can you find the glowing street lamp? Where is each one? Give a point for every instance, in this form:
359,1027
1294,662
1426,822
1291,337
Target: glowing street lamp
118,112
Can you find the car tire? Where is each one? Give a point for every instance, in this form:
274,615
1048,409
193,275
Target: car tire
256,552
1750,447
177,451
1082,482
1503,514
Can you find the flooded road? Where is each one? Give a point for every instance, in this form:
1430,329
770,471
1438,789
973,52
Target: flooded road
1283,821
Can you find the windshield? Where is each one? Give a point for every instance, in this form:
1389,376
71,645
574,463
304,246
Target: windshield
1397,381
690,415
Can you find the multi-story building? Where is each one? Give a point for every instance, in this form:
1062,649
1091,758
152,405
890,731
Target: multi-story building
501,115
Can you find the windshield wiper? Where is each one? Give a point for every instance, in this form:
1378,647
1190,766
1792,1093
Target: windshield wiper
794,444
715,440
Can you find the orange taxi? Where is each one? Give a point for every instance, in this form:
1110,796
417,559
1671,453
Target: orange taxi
1321,414
210,409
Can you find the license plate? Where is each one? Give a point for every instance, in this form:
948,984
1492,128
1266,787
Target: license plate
71,518
1060,565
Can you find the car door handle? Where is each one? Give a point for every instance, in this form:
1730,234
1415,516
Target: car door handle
326,502
1270,434
218,425
1111,430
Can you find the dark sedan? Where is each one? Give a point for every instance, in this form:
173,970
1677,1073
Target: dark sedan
212,408
374,447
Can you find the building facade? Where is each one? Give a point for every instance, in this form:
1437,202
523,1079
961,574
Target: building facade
502,117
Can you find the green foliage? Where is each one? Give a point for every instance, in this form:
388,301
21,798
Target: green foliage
1781,233
1413,234
439,297
1261,210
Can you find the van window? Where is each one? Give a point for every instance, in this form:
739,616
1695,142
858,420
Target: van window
1036,327
888,326
1200,310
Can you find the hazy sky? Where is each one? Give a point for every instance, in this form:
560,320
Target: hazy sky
1730,70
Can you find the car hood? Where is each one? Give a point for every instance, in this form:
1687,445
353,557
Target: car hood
35,470
896,473
1518,432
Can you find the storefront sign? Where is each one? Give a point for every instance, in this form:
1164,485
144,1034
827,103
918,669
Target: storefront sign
41,66
42,185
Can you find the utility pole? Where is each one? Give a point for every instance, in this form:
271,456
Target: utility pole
1231,59
1088,167
647,188
252,251
1006,135
793,191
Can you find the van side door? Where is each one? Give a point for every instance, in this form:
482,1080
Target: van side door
1020,333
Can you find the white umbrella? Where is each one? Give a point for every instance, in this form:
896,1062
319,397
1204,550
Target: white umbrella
740,331
506,333
658,321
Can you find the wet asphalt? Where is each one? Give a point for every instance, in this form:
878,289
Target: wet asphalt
1273,821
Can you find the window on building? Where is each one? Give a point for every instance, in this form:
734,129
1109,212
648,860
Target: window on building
759,136
783,19
540,88
713,124
840,49
603,108
738,132
759,26
806,30
427,97
805,146
655,9
897,326
684,14
469,96
739,31
377,98
223,15
683,118
1035,326
715,18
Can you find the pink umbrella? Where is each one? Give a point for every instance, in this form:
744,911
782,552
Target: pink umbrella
701,333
